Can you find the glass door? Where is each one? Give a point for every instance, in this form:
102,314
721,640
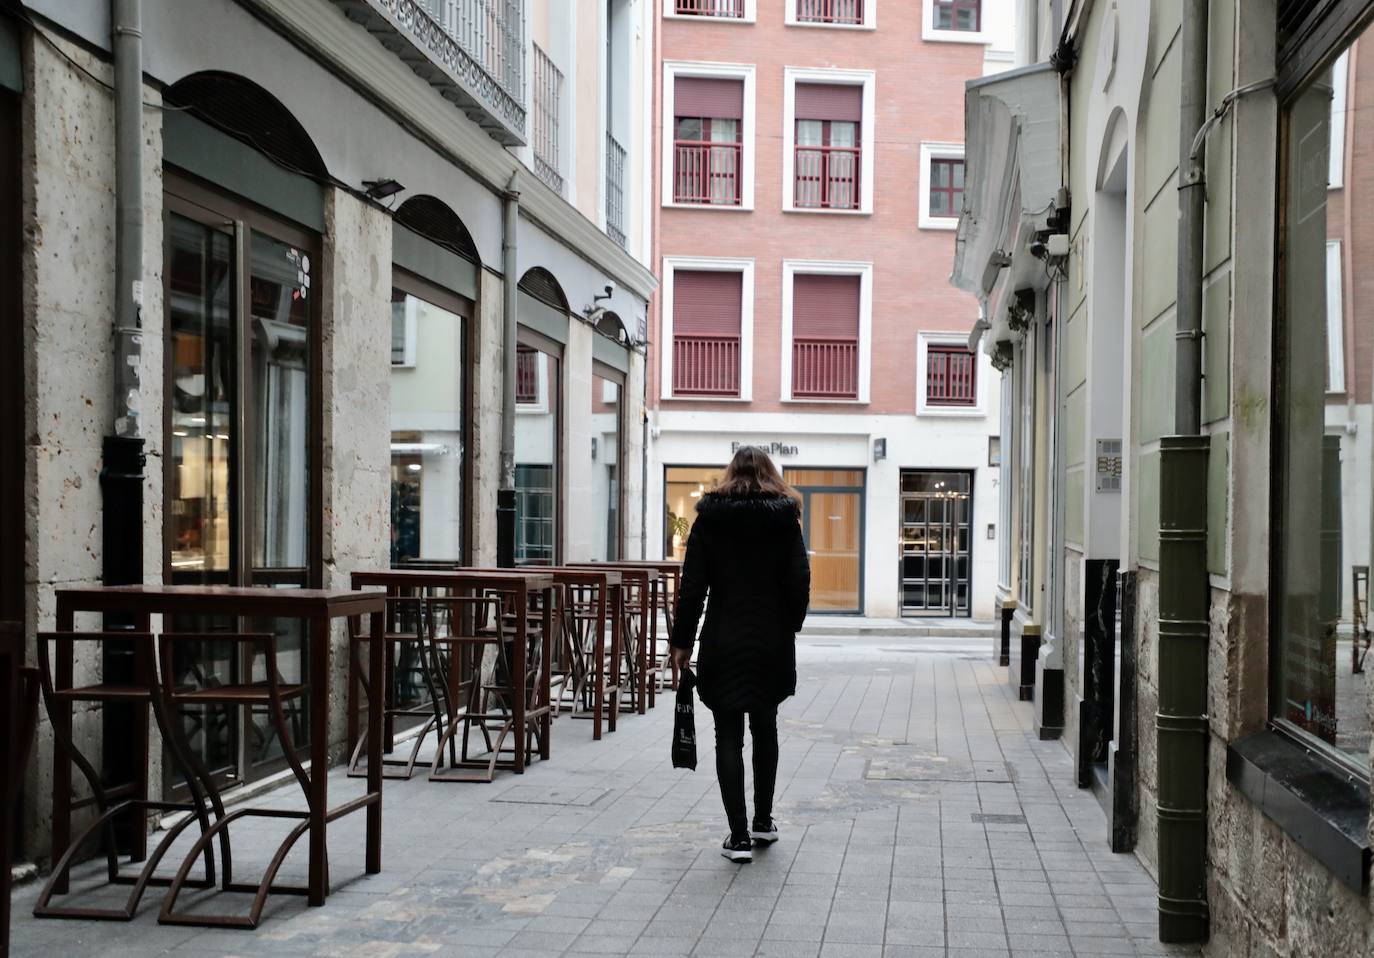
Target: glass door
937,509
832,523
240,463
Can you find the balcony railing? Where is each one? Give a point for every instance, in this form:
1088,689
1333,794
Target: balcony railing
706,173
827,177
615,190
732,9
705,365
825,369
951,377
472,51
548,97
830,11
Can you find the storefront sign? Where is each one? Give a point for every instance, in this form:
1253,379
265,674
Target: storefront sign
772,448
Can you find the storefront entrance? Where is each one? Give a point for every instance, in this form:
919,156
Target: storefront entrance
935,566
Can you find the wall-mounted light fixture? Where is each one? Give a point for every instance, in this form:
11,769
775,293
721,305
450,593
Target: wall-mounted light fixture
879,450
593,449
381,189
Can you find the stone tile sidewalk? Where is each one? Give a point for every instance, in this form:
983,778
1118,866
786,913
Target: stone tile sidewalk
920,817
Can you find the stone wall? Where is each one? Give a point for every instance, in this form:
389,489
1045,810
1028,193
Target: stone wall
356,347
1147,704
68,270
1072,640
485,442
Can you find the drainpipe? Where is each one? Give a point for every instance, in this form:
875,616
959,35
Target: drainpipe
505,494
1181,721
121,474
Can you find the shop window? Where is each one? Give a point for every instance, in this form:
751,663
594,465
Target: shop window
428,421
538,450
1322,486
607,425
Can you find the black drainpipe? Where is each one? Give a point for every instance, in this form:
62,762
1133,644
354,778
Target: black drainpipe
1181,721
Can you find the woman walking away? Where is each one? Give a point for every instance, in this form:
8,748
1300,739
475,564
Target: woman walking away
745,551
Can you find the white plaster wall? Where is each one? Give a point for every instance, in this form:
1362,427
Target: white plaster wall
68,271
846,441
356,340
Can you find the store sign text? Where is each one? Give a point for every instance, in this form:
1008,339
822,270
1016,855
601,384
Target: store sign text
772,448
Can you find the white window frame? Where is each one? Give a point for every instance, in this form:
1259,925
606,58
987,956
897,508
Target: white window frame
410,324
745,267
1335,319
1340,83
868,80
978,410
928,31
540,406
751,14
812,267
936,151
672,69
870,18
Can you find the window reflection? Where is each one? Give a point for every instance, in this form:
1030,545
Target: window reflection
536,457
605,492
1327,352
426,431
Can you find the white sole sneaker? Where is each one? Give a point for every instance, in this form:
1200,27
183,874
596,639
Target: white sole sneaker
764,838
739,857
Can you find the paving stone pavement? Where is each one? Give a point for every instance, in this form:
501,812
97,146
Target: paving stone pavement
920,816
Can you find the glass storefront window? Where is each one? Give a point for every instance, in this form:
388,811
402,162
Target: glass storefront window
605,452
536,456
1323,487
427,422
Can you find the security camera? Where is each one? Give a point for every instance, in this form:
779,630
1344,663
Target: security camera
607,292
1037,248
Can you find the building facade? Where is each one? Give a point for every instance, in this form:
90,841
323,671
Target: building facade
807,183
1167,222
338,199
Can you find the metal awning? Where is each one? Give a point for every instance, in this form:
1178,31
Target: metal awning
1011,179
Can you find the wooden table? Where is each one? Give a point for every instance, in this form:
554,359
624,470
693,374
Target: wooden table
671,570
316,608
520,584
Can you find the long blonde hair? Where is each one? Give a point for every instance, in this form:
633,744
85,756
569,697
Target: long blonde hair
751,472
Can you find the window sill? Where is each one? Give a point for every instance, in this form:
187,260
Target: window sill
1320,807
933,35
951,412
720,399
698,18
809,210
808,401
808,25
712,207
939,223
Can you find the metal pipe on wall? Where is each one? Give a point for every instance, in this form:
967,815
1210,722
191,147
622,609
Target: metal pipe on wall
510,287
1181,725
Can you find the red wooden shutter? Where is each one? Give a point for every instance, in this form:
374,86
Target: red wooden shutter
707,302
827,101
716,99
825,307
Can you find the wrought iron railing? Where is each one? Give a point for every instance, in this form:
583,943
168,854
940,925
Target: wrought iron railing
548,95
825,368
706,365
951,377
478,46
707,173
827,177
731,9
615,190
830,11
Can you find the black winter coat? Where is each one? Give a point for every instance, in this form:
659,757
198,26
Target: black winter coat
747,554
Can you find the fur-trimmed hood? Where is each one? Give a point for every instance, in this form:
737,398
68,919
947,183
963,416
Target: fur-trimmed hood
757,508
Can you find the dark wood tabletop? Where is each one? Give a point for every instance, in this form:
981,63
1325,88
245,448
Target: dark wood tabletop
240,600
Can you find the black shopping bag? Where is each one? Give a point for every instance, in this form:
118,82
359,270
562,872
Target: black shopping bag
685,723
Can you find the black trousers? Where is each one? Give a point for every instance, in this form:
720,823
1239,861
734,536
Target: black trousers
763,729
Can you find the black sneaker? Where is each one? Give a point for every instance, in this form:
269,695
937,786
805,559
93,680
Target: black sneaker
765,832
738,850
